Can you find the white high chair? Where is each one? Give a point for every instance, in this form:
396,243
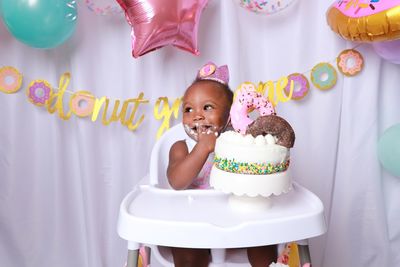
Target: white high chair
156,215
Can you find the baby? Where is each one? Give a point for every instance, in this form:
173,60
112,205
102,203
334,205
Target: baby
206,106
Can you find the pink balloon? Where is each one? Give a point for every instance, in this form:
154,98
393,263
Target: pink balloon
389,50
157,23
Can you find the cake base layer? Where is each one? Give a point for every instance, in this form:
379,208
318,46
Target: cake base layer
251,185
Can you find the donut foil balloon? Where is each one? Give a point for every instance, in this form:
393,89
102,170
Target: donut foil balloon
265,7
365,20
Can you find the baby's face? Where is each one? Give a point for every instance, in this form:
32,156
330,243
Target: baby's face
205,108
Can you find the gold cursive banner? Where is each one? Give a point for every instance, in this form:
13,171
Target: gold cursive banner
84,104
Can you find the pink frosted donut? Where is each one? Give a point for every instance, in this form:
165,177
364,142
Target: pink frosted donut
39,92
246,100
300,80
10,80
350,62
75,103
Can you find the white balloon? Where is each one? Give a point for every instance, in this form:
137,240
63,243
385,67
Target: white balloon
265,7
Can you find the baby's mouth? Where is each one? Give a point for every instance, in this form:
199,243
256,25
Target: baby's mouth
201,127
194,130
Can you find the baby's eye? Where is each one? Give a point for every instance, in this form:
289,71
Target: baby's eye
188,109
208,107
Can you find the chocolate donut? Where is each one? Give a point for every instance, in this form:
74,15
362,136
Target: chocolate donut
274,125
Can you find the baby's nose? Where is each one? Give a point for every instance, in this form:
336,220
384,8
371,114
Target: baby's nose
198,117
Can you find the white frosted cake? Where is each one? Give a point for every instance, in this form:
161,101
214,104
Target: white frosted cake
252,162
251,166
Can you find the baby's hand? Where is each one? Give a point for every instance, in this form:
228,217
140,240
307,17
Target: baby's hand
207,137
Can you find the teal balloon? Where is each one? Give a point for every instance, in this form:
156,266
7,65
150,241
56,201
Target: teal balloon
389,150
40,23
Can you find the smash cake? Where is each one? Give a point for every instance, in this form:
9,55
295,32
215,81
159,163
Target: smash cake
253,160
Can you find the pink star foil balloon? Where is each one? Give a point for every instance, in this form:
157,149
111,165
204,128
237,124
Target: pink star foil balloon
158,23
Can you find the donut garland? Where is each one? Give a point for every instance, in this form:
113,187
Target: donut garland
319,71
350,62
39,92
10,80
301,81
82,103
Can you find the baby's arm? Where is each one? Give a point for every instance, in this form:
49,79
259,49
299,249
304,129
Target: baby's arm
183,166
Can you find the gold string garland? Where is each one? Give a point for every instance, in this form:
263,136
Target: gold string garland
84,104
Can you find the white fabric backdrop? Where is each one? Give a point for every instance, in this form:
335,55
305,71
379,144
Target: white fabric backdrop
61,182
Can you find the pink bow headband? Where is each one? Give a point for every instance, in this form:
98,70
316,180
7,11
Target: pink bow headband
210,71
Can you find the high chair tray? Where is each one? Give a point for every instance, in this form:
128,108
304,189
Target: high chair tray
152,215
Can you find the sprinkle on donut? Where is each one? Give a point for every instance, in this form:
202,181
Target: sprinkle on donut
246,100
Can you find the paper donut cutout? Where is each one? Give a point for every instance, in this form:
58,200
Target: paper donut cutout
350,62
300,81
10,80
39,92
79,109
207,70
318,73
365,20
